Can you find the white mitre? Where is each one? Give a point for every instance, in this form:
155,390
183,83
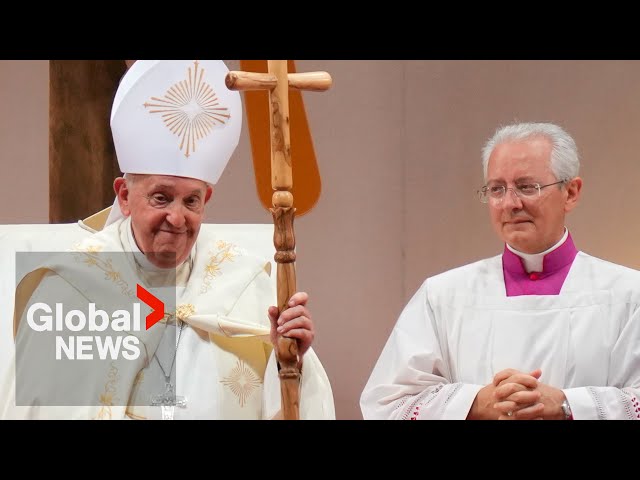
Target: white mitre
175,117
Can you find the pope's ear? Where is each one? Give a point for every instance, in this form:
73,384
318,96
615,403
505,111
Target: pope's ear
208,194
122,193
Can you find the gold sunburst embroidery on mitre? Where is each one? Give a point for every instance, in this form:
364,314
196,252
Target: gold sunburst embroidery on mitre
242,381
190,109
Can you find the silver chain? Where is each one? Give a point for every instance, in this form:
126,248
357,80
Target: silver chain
167,377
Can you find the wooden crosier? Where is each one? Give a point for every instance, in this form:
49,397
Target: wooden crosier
277,81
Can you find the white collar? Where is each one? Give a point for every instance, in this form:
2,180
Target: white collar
533,262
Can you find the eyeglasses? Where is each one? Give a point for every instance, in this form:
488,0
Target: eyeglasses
526,190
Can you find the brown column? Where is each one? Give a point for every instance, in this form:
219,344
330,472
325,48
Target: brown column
82,162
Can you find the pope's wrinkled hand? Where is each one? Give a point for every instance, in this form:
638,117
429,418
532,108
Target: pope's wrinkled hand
294,322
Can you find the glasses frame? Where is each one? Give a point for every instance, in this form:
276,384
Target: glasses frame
484,197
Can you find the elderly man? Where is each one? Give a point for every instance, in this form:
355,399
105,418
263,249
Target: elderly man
543,331
175,126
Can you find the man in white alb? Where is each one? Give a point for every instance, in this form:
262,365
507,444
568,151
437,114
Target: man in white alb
175,126
543,331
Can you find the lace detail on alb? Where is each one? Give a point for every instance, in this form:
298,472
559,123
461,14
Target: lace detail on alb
420,401
631,404
453,391
596,399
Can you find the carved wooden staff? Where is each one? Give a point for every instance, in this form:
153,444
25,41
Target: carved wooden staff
277,81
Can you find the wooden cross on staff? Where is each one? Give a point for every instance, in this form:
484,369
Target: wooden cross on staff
277,81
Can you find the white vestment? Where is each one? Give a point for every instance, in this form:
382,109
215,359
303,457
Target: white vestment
460,329
224,365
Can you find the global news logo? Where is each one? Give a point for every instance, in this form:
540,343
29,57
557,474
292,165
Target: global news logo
121,326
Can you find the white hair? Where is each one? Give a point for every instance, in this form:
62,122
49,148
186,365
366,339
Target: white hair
565,162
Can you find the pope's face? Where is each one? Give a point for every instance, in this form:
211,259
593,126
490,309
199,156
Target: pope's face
166,214
531,224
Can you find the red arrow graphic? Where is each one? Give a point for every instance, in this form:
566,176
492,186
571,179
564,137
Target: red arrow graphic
155,303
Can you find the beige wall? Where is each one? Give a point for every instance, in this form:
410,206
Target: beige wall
24,141
399,149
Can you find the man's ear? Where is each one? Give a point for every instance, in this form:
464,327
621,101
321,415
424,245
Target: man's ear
574,187
122,192
208,194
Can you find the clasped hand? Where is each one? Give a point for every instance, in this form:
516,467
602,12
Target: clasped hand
521,396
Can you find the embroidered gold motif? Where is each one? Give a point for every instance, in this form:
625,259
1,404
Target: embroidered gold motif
226,252
90,255
190,109
86,248
242,381
107,398
184,311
